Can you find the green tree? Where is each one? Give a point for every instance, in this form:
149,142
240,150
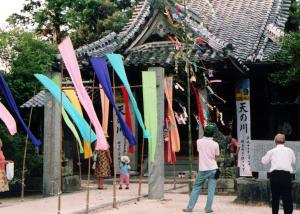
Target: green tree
14,150
289,55
85,20
24,54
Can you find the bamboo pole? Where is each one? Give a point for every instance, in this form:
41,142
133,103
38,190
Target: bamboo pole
99,87
79,164
89,162
115,157
174,176
188,104
25,153
60,143
142,171
189,130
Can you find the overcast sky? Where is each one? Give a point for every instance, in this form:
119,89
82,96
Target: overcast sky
9,7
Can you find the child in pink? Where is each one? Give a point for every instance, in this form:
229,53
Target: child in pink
124,173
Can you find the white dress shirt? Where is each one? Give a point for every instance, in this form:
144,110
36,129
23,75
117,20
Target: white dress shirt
281,158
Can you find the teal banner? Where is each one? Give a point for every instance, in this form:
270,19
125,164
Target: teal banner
81,124
117,63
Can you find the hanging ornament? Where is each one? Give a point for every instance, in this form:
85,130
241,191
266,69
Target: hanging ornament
180,119
185,115
210,73
215,81
178,86
193,79
199,41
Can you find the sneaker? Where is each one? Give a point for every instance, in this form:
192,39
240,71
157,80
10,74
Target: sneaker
209,211
120,187
127,188
186,210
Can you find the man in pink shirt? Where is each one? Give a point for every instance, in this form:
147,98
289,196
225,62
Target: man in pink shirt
208,153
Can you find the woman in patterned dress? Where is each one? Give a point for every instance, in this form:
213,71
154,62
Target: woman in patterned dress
3,179
102,169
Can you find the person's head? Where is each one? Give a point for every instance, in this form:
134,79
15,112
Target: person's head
279,139
125,159
209,130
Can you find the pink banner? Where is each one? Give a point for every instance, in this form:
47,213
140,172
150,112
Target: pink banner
105,111
170,114
8,120
68,54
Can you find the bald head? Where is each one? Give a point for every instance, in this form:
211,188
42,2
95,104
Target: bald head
279,139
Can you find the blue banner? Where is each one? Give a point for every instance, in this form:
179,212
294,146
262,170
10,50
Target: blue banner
13,106
101,70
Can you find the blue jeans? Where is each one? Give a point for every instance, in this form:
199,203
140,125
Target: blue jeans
200,179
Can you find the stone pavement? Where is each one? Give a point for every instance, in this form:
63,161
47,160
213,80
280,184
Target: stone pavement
101,202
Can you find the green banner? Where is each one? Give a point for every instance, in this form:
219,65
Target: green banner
150,109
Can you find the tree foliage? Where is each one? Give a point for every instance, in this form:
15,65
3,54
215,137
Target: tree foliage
24,54
14,150
289,55
85,20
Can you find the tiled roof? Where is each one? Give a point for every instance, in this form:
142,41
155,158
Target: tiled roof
163,53
36,101
114,41
251,27
39,99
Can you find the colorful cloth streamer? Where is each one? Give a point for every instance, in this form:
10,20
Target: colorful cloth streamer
71,94
81,124
117,63
13,106
56,80
8,120
68,54
101,70
127,113
105,111
170,156
215,81
199,107
150,109
174,134
213,93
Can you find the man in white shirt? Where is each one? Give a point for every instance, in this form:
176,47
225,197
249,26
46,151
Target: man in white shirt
281,159
208,152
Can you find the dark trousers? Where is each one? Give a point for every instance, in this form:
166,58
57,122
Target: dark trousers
281,186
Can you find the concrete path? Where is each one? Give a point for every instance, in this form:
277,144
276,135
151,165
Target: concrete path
101,202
